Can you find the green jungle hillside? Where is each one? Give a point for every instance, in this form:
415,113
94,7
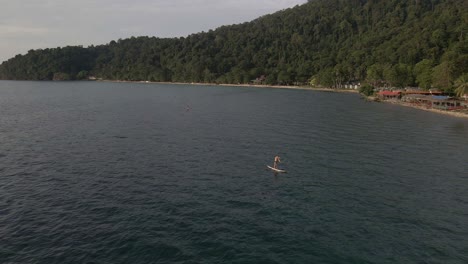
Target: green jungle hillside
323,42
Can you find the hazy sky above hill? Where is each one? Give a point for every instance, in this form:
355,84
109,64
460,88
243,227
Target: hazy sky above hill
34,24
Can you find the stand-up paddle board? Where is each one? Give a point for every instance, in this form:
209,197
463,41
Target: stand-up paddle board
276,170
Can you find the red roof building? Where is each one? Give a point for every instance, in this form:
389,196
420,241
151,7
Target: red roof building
389,94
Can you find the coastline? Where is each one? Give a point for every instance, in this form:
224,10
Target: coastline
463,114
296,87
330,90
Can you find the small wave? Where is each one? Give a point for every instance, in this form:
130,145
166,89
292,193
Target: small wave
242,204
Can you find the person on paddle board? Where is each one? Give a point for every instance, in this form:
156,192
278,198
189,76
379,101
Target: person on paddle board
276,161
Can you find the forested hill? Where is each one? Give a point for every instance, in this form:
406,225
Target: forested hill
327,42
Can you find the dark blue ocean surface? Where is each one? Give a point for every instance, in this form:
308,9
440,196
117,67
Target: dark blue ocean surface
94,172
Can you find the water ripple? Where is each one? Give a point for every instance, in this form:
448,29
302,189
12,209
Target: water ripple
121,173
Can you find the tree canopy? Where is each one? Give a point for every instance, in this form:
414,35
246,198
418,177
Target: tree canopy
332,42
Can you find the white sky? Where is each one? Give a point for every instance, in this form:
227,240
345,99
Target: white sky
34,24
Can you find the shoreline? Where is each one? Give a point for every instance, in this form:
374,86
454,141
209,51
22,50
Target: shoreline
330,90
295,87
463,114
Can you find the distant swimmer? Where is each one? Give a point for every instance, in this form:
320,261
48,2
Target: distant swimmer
276,161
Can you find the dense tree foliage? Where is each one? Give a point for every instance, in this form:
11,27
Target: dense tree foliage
331,42
366,90
461,86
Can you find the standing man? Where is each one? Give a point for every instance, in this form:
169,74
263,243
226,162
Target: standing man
276,161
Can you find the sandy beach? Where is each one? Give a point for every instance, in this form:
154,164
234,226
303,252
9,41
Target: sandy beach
321,89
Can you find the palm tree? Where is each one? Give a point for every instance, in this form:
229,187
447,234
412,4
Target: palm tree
461,85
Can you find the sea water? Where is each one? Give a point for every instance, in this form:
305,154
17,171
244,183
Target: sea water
101,172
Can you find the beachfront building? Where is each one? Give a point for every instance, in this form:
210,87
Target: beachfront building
420,100
352,85
441,102
432,99
389,95
259,80
446,103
